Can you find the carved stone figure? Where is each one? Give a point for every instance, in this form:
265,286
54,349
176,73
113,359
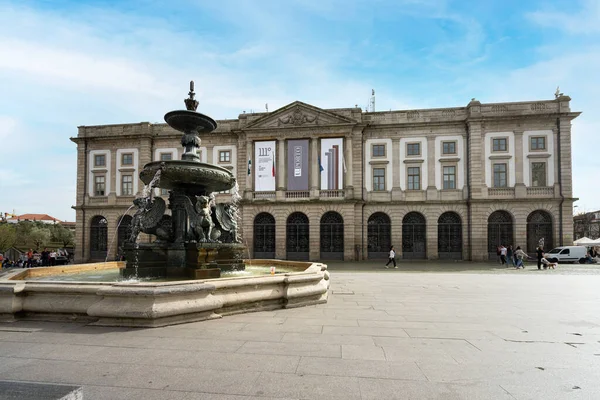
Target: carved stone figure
297,117
150,218
225,219
201,222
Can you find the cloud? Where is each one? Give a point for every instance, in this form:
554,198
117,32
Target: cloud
584,22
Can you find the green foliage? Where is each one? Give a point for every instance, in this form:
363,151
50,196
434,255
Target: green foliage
8,236
39,236
62,235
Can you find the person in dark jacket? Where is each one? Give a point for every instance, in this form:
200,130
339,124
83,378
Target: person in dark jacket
540,254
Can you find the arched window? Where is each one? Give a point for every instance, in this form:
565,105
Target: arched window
98,238
264,236
539,231
450,236
123,232
332,236
500,231
414,236
379,236
297,242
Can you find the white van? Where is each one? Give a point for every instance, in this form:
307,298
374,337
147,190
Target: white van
567,254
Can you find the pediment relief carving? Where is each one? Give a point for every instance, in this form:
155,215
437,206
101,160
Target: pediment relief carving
298,115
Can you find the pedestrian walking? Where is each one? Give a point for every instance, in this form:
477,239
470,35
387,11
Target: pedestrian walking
392,258
510,260
540,254
503,254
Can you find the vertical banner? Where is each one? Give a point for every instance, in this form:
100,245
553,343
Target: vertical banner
331,164
264,156
297,164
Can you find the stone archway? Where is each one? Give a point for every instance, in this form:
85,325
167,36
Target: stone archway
539,229
123,232
332,236
98,238
379,236
264,236
414,236
297,242
500,231
450,236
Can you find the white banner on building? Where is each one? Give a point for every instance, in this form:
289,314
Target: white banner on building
331,164
264,155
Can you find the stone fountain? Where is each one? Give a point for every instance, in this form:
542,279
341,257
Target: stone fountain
198,238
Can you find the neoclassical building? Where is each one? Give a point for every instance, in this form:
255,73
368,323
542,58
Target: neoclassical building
321,184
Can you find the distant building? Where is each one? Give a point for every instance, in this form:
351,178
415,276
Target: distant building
587,225
44,218
322,184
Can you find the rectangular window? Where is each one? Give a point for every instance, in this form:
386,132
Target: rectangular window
100,160
127,185
449,148
499,144
164,192
127,159
166,156
413,149
378,179
449,177
499,175
414,178
99,185
538,143
379,150
538,174
225,156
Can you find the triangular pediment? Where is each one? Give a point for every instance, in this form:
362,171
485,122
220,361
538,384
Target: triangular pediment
298,115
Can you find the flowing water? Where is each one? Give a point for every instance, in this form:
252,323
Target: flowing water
117,232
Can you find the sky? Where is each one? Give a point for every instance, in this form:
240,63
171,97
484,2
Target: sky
67,63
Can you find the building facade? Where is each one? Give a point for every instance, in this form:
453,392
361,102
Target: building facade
320,184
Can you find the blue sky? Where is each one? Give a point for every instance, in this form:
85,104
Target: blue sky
70,63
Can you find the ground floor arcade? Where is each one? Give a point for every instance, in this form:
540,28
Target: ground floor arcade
353,231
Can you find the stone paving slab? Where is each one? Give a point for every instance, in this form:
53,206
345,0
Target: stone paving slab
487,334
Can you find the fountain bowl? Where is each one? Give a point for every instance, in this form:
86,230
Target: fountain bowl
154,304
190,121
193,177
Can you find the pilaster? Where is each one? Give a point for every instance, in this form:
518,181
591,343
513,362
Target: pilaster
280,173
520,164
396,170
314,168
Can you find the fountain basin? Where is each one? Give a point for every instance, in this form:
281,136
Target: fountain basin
154,304
193,177
190,121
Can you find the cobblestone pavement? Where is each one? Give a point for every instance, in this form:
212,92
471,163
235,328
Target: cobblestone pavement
384,334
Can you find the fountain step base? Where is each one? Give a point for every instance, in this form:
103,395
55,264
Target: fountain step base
157,322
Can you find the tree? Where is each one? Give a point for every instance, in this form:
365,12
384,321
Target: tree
8,236
39,236
62,235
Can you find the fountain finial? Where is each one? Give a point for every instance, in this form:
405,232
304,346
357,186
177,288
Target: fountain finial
190,103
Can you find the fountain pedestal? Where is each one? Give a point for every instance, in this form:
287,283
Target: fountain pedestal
189,240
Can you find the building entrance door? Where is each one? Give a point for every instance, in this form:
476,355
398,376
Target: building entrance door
414,237
297,242
332,236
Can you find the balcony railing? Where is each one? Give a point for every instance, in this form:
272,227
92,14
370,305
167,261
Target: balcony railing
263,195
297,194
332,194
543,191
501,192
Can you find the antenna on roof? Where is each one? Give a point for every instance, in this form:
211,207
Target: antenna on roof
372,100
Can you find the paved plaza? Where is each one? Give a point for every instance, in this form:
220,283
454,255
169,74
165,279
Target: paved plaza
476,332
